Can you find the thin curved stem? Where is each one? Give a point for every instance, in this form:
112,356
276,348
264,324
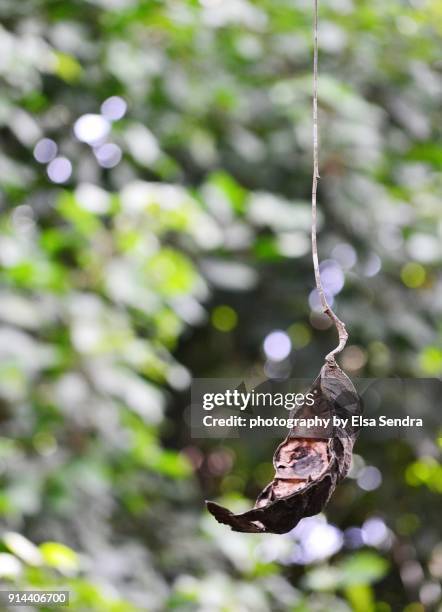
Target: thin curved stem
326,308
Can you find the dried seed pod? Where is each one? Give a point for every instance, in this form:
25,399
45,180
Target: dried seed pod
307,469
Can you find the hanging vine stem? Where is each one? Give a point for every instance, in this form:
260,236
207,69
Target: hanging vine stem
326,308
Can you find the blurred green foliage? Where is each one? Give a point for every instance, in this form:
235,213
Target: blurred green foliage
170,244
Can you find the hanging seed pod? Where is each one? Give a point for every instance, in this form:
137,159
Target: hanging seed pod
307,469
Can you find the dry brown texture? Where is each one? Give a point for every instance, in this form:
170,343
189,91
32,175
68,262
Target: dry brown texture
307,470
283,488
302,458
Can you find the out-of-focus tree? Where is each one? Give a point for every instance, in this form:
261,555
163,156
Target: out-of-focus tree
155,173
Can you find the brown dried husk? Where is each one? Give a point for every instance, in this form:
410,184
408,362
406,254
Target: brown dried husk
307,469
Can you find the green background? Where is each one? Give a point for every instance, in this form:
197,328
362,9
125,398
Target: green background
121,283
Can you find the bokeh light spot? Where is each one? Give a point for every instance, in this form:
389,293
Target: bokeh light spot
179,377
59,170
293,244
345,255
224,318
108,155
300,335
277,345
353,358
413,275
372,266
220,461
114,108
45,150
369,478
353,537
430,593
91,128
407,524
317,540
332,277
44,443
430,360
320,321
375,532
